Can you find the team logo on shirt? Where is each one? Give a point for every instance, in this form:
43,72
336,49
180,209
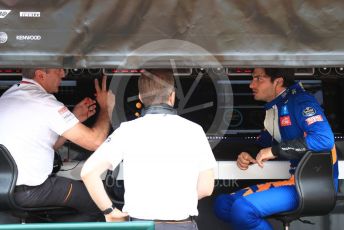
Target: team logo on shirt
308,112
314,119
284,110
63,110
285,121
65,114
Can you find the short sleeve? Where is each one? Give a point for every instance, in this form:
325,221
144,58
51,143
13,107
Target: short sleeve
111,150
60,118
205,156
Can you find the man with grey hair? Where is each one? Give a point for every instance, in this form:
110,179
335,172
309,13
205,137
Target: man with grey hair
34,124
167,161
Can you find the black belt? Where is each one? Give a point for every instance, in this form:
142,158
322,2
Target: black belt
189,219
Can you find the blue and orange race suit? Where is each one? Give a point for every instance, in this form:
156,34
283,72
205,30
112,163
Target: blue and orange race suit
303,127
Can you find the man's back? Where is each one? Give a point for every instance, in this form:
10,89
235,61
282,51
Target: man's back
162,158
168,162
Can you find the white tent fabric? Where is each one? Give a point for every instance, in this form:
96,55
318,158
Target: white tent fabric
89,33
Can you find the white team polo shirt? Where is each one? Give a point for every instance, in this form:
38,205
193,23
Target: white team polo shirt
31,121
162,158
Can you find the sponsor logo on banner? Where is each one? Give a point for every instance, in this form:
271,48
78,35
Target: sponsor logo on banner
285,121
4,13
30,14
28,37
3,37
308,112
314,119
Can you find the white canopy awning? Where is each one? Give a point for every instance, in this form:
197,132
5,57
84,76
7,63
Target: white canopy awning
107,33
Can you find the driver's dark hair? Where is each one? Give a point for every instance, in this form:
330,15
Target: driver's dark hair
286,73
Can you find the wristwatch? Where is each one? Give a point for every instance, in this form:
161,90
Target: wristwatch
109,210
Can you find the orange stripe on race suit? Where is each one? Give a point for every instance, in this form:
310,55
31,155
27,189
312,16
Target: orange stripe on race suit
268,185
263,187
291,181
248,192
333,151
334,155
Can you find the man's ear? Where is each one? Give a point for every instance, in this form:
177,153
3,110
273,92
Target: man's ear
39,74
279,81
172,97
173,94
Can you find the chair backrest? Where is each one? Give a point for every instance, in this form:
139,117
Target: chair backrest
8,179
315,184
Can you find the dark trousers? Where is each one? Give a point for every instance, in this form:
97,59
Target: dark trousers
176,226
61,192
189,224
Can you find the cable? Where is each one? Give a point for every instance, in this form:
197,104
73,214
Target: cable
71,168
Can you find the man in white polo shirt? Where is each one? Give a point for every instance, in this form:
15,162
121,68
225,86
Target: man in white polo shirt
167,161
34,124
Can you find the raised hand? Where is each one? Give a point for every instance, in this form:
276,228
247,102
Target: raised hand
85,109
101,93
111,101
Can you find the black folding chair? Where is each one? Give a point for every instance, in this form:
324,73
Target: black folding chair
8,179
314,184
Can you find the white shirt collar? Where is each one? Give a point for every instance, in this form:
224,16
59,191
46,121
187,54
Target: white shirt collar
33,82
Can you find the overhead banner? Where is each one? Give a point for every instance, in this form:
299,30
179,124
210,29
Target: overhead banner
108,33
